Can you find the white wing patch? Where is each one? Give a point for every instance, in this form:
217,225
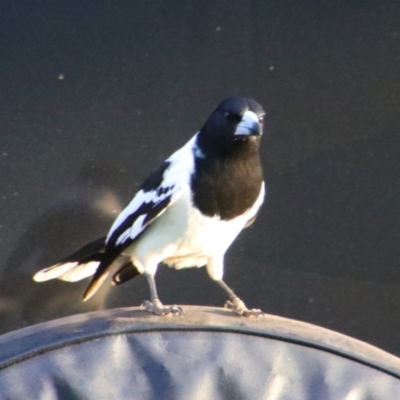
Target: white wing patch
133,231
140,198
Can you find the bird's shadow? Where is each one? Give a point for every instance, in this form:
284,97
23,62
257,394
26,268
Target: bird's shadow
83,211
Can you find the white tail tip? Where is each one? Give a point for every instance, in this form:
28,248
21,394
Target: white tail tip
70,271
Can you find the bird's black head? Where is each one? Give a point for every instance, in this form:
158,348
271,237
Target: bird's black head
236,120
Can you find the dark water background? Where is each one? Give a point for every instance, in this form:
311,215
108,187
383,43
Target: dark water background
94,95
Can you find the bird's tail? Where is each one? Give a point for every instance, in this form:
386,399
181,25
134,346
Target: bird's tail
77,266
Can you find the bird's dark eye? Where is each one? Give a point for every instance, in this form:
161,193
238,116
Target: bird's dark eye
232,117
261,119
228,115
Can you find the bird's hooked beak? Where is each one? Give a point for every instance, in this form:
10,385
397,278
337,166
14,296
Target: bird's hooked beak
249,125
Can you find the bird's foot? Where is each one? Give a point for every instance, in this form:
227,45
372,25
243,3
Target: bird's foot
239,308
157,308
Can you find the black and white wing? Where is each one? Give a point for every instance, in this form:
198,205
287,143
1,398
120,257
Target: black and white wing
161,189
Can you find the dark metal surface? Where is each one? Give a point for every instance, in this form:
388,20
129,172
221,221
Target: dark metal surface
94,96
25,343
129,354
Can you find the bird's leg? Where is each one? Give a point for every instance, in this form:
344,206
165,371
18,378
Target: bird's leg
155,306
237,305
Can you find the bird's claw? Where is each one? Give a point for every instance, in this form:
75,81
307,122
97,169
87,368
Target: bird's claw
157,308
239,308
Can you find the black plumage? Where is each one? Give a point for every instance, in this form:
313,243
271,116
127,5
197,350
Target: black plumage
228,186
